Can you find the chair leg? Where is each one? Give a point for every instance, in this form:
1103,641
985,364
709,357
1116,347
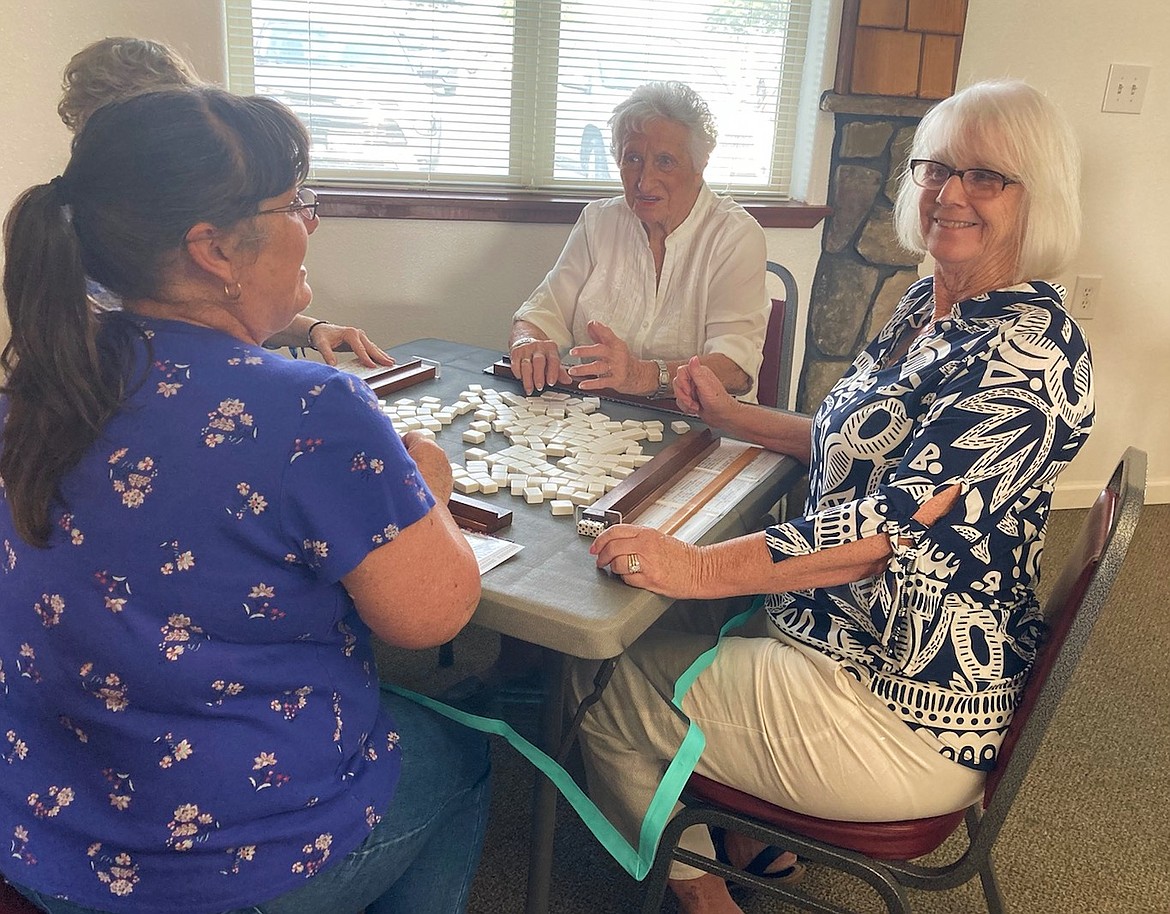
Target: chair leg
995,901
655,882
872,873
987,878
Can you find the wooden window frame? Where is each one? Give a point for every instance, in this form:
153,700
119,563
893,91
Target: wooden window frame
438,205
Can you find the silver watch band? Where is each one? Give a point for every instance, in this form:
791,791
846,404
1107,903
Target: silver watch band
664,386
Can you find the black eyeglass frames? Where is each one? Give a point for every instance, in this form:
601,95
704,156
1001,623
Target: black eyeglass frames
304,203
977,182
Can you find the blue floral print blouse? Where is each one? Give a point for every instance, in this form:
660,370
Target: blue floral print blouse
996,399
188,699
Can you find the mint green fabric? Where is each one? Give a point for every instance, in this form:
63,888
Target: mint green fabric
636,862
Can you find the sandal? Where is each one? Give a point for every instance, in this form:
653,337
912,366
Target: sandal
757,866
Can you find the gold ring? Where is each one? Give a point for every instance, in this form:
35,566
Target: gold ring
633,563
525,359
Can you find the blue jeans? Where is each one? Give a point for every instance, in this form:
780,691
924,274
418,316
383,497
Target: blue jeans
422,856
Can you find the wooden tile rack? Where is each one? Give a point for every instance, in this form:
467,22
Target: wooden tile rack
502,368
399,377
636,492
480,516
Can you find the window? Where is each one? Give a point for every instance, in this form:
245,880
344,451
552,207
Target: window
517,94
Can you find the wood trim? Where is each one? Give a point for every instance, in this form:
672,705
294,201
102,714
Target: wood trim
940,61
624,502
397,203
709,491
882,14
399,377
479,516
502,368
872,60
887,62
943,17
846,45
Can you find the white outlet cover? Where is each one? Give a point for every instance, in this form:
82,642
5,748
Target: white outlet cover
1125,90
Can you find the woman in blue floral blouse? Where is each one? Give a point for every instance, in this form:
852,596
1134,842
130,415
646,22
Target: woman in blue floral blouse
199,537
901,621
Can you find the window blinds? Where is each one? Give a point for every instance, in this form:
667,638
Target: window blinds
517,94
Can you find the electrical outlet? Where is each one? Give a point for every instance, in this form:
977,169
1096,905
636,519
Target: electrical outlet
1084,297
1126,89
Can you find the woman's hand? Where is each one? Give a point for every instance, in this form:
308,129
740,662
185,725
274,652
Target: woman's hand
649,559
327,339
700,393
432,464
536,363
607,363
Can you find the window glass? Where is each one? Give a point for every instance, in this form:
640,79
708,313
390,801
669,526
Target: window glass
518,93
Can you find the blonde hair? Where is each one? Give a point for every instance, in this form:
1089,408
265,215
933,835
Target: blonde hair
113,69
1010,127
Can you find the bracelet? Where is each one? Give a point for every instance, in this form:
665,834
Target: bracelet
309,333
523,341
665,388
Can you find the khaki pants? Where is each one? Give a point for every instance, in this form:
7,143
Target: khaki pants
783,723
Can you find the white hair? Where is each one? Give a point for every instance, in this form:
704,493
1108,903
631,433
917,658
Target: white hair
672,100
1009,127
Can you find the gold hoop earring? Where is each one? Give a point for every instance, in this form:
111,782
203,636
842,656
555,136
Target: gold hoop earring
232,294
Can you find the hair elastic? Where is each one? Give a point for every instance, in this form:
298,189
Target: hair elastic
309,333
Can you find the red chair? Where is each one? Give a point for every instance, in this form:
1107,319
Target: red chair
881,853
772,386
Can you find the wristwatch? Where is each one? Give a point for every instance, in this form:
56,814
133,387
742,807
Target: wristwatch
664,386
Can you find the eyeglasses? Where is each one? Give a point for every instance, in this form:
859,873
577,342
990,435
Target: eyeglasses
977,182
304,204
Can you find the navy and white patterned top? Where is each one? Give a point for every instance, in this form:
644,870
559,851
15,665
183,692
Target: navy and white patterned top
189,705
997,398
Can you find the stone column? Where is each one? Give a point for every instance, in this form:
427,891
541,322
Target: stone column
863,271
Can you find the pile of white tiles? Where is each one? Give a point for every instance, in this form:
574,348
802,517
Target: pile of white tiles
561,449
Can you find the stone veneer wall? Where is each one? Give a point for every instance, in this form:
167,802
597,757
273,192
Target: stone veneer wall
863,271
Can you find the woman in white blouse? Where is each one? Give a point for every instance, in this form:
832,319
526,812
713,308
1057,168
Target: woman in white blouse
667,271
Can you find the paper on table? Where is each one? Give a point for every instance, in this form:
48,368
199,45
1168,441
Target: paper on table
737,488
490,551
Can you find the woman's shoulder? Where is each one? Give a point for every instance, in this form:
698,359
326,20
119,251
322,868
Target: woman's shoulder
186,359
726,218
608,216
610,206
1034,308
1028,326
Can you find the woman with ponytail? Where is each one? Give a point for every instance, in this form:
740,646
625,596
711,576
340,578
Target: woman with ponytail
197,538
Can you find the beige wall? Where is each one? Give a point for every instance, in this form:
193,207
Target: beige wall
1065,47
461,280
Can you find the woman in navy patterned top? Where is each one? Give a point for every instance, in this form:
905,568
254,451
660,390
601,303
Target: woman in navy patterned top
901,621
198,538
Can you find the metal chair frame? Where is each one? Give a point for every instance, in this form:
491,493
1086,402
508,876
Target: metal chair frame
779,342
1080,592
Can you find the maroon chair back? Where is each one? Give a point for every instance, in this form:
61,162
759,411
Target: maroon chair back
768,382
1060,610
772,381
